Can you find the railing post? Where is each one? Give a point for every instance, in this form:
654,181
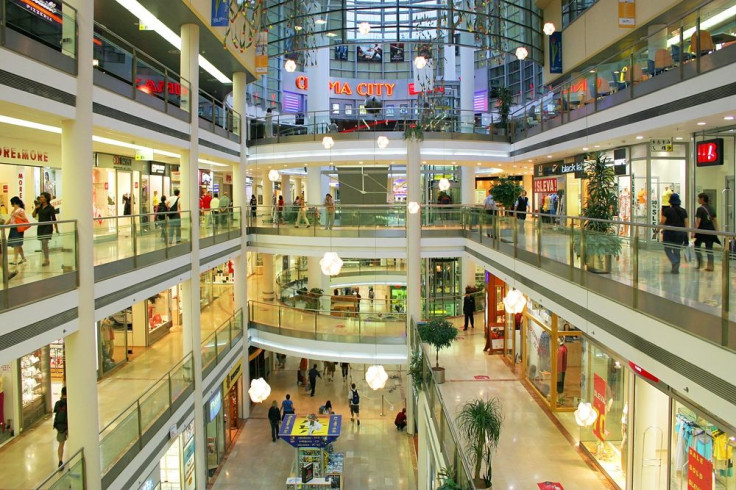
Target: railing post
171,390
140,423
538,230
682,53
697,45
515,234
631,75
134,73
571,251
725,290
166,235
583,255
279,325
134,237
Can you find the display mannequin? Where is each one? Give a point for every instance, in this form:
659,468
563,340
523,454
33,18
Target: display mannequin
561,365
624,210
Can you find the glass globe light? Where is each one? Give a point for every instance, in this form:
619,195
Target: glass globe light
376,377
585,415
259,390
413,207
364,28
444,184
549,28
290,66
521,53
330,263
420,62
273,175
328,142
382,142
514,302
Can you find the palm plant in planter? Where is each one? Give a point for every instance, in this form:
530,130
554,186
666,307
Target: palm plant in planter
448,477
601,243
439,333
480,423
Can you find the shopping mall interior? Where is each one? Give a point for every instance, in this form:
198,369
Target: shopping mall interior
403,245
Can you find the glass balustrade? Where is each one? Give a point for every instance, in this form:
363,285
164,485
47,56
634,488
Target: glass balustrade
70,475
128,428
218,114
335,326
45,253
218,343
54,26
217,226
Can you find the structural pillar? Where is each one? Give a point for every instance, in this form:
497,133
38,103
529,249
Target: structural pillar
268,194
267,277
467,83
413,255
240,261
315,193
286,189
191,332
318,95
81,349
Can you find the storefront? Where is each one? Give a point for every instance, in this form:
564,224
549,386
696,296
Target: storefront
176,468
216,283
498,338
35,387
715,167
215,432
552,357
232,387
26,170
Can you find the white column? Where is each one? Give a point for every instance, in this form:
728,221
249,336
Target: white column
268,194
81,351
467,185
467,274
267,277
314,273
286,188
413,243
467,83
318,95
240,262
450,72
315,193
191,331
422,447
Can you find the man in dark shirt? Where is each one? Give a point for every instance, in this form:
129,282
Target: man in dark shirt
469,310
313,375
274,416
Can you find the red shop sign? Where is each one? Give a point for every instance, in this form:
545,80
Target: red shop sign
643,372
545,186
699,471
599,405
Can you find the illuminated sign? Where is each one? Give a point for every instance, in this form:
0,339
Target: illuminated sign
642,372
710,153
363,88
215,405
437,90
157,86
23,154
545,186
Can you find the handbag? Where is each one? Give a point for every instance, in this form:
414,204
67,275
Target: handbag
21,219
689,252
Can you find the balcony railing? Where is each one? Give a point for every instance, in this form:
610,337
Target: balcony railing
685,48
388,221
69,475
216,226
331,326
217,117
219,342
128,71
129,432
125,243
56,272
452,123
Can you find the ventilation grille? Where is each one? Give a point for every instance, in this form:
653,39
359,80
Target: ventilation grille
215,146
33,87
34,329
129,291
137,121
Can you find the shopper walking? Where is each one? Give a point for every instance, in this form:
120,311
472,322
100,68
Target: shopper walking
61,424
280,210
274,416
521,208
302,215
330,367
253,209
175,219
400,420
674,240
161,212
301,377
329,212
491,209
354,401
313,375
215,210
15,236
469,308
45,213
225,209
345,367
287,406
705,219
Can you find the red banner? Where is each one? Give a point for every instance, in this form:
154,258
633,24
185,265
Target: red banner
599,405
545,186
699,471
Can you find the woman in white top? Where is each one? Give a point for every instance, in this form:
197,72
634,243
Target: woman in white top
15,237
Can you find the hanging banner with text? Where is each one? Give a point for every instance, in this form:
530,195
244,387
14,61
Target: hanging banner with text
220,13
599,405
699,471
627,13
262,52
555,52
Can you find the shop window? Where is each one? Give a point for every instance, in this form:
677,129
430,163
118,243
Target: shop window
335,108
348,109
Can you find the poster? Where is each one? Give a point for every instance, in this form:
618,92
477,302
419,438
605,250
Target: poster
627,13
599,405
555,52
341,53
220,13
48,10
297,431
262,52
369,52
699,471
397,52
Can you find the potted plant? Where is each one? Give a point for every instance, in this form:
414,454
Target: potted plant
311,298
448,478
416,370
480,423
506,192
505,98
439,333
601,243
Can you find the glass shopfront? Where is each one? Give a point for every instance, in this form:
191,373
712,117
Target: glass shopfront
162,312
215,431
714,174
35,387
112,341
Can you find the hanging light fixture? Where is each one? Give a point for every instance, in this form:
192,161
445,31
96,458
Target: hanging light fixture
413,207
376,377
259,390
273,175
328,142
585,415
514,302
382,142
444,184
364,28
420,62
290,66
330,263
521,53
549,28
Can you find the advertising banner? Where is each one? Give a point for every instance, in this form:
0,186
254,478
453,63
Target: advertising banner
262,52
369,52
699,471
220,13
545,186
555,52
299,431
599,405
627,13
48,10
397,52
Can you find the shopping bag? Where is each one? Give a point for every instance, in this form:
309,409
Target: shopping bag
689,252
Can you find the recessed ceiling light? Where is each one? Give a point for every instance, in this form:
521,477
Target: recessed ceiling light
585,148
701,123
530,161
549,156
640,137
514,166
678,138
728,118
596,146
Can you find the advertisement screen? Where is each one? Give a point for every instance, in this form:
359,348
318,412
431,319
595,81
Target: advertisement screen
369,52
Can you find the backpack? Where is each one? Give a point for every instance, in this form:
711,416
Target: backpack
356,397
60,419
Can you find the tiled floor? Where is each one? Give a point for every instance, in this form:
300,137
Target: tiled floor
31,457
377,456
